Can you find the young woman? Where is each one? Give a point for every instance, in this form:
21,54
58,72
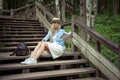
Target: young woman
55,46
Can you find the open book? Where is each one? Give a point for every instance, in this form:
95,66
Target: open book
66,36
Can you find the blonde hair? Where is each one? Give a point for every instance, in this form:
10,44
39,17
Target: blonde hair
52,29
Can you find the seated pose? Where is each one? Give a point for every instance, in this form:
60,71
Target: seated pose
55,46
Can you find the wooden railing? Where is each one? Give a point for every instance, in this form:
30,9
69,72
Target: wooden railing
93,55
43,15
22,12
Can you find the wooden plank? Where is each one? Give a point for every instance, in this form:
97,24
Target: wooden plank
44,21
22,32
21,29
20,21
15,43
18,24
22,36
41,64
91,78
106,42
104,65
6,56
48,74
21,39
14,47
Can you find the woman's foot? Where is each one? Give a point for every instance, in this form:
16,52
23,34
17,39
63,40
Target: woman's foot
29,61
23,62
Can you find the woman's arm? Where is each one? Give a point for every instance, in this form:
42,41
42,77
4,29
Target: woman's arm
47,36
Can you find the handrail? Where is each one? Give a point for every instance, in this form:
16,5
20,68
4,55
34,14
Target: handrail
106,42
26,6
11,13
43,14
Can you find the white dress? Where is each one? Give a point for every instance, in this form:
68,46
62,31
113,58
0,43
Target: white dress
56,50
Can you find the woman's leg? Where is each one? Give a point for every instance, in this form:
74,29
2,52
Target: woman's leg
36,49
43,47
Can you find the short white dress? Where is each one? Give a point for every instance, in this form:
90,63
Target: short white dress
56,50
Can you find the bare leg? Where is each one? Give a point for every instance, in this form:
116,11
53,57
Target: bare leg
36,49
39,49
43,47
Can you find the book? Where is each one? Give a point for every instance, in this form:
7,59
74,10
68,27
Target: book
66,35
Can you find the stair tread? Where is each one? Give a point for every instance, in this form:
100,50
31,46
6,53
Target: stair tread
47,74
15,43
91,78
6,56
22,21
13,47
16,19
21,26
22,36
21,29
41,64
22,32
19,39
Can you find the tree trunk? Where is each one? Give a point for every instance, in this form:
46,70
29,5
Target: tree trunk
83,17
1,6
57,8
63,9
115,7
91,7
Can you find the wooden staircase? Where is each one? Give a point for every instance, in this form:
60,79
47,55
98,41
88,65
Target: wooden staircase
67,67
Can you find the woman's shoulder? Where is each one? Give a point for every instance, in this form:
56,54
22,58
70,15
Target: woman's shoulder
61,30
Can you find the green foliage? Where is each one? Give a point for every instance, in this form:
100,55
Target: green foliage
109,26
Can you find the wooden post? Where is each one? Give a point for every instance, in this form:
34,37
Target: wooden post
83,18
12,13
63,10
74,29
28,11
98,46
119,57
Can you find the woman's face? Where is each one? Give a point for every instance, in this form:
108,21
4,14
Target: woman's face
56,24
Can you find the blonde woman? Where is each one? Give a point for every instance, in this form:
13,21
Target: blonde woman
55,46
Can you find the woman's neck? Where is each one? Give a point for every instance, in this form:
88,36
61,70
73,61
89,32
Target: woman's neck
55,31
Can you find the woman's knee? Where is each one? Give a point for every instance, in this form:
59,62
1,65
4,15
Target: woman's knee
39,43
44,43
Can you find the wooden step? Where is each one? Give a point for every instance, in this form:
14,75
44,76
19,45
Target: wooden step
91,78
22,32
41,64
21,29
6,55
8,44
48,74
15,19
22,21
22,36
20,39
20,24
13,48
